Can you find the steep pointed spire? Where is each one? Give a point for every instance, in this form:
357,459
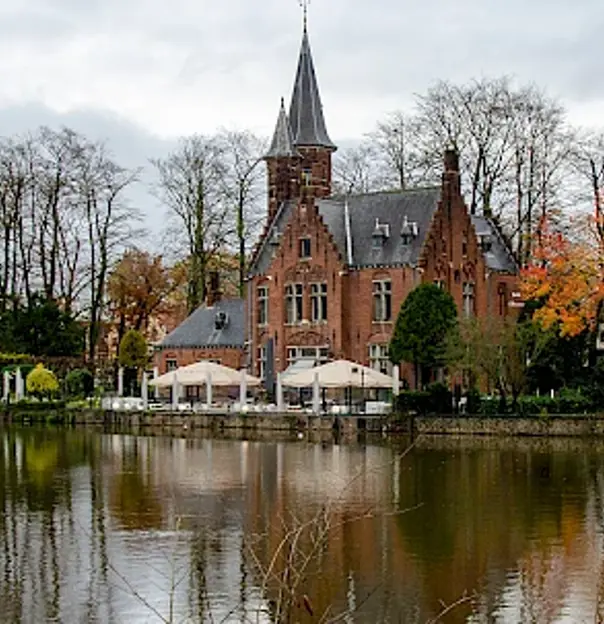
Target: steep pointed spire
306,111
282,143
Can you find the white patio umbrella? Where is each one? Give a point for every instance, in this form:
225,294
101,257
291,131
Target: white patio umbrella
340,374
196,375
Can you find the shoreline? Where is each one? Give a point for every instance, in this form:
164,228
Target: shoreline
579,425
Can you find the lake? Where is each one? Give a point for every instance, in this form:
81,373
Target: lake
100,527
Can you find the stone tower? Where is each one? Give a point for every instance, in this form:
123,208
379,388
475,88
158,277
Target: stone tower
299,158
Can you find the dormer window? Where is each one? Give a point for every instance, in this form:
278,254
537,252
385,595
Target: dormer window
486,242
221,320
409,230
305,248
381,232
275,238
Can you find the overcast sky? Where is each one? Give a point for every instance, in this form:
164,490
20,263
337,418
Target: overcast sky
142,72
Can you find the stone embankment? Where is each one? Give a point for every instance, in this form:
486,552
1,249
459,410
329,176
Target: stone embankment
559,425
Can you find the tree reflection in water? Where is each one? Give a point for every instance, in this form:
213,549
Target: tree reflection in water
109,528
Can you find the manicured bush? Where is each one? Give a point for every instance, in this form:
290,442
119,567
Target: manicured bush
79,383
41,382
13,360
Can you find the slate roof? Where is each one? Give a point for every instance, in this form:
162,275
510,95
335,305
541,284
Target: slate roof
388,207
306,118
400,209
282,143
391,208
498,258
199,331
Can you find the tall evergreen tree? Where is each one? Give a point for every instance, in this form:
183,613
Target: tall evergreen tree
425,319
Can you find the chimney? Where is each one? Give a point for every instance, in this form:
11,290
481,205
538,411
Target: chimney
214,292
451,173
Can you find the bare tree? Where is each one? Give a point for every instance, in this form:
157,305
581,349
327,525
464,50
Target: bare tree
243,188
355,171
191,183
588,163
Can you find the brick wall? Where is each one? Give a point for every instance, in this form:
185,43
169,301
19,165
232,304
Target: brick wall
323,266
452,256
227,356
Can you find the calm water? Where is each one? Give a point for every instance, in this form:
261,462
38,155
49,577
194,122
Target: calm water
118,528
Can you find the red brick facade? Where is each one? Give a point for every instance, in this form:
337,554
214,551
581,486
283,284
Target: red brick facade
169,359
452,256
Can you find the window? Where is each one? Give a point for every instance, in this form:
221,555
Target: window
319,355
378,358
306,176
261,364
382,300
293,303
464,247
502,296
439,283
318,302
305,248
468,299
262,305
171,365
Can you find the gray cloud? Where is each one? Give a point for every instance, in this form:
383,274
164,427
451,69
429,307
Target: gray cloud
182,66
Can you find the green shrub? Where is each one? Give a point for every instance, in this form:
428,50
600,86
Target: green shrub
436,399
10,361
573,401
474,401
440,399
489,405
79,383
413,401
41,382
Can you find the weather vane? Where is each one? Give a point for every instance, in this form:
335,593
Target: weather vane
304,4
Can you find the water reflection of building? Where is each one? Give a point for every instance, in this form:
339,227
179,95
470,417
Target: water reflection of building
519,522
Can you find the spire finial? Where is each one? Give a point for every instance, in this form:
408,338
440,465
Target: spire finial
304,4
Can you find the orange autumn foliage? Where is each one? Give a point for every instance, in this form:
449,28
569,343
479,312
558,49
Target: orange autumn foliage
567,277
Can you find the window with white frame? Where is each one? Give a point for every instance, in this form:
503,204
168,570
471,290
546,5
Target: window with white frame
171,365
261,362
378,358
319,354
468,298
294,303
318,302
382,300
262,305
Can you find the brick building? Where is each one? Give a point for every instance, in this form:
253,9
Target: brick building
215,331
330,273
